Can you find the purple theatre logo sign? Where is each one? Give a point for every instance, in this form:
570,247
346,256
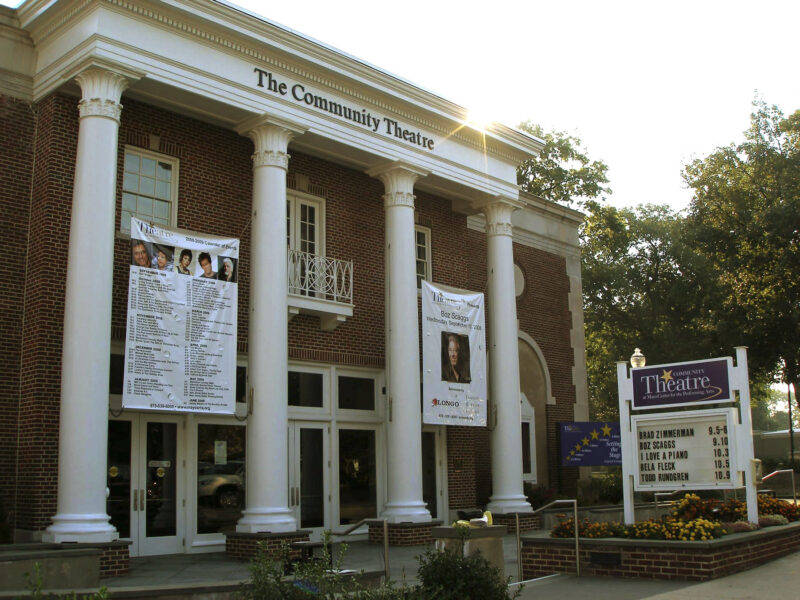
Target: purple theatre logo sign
682,384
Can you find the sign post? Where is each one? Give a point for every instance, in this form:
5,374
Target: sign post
708,448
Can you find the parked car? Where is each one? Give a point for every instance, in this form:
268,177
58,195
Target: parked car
221,485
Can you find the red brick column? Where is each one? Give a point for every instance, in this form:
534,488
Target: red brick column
244,546
402,534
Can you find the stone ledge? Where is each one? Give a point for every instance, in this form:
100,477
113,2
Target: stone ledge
473,533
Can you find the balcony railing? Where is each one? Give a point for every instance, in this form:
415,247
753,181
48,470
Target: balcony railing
319,277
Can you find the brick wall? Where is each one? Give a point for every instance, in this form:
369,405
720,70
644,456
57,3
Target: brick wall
656,559
244,546
115,559
527,522
402,534
215,188
17,125
43,314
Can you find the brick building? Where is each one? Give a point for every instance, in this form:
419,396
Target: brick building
250,129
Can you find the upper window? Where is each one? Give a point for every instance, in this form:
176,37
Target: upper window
422,249
149,188
305,224
356,393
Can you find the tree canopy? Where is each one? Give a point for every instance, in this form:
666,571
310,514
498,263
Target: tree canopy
562,172
745,219
689,286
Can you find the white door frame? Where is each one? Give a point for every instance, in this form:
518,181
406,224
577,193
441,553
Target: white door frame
295,475
442,501
141,544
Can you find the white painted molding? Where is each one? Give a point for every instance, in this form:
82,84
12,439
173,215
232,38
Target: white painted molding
540,355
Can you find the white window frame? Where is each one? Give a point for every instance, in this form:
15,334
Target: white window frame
426,231
294,200
353,415
175,163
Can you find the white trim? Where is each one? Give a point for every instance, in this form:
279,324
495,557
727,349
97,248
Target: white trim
542,362
158,157
426,231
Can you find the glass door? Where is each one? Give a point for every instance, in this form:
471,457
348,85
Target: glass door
145,483
358,482
309,491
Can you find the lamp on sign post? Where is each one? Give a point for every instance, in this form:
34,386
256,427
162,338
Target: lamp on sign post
637,359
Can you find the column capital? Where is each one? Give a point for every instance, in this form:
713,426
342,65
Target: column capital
101,91
498,215
271,137
398,180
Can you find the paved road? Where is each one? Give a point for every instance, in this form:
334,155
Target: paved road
776,580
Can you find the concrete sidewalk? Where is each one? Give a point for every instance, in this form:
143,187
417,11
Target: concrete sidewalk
778,579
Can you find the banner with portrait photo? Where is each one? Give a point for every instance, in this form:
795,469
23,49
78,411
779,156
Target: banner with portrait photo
453,358
180,345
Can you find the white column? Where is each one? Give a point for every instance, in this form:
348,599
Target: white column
83,434
404,427
267,337
506,437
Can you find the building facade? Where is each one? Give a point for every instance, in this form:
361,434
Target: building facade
200,116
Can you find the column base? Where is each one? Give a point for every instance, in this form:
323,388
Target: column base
509,504
402,534
410,512
267,520
245,546
81,528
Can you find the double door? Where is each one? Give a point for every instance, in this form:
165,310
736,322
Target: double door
145,482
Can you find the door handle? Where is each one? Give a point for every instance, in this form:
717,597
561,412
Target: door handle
135,503
141,501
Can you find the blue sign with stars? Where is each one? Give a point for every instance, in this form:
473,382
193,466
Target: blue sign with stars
590,443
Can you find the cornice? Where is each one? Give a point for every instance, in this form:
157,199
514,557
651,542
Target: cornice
305,59
551,208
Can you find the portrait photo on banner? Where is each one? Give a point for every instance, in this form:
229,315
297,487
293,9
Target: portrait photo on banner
455,357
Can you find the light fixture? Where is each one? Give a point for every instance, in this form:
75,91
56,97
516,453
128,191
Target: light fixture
637,359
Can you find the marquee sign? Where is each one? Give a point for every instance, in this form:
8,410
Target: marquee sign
682,384
694,450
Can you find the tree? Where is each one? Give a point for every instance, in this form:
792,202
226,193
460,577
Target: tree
745,219
642,287
562,172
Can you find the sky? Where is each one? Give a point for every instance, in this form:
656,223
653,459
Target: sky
646,86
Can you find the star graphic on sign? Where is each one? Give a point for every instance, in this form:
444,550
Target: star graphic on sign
577,447
606,431
585,441
666,375
572,453
595,434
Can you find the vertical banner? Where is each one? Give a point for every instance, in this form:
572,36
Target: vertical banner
180,347
453,358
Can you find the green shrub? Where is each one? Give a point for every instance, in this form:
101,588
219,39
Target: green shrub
449,575
35,588
601,488
538,495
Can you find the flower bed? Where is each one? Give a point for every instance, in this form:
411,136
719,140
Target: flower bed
658,559
687,544
692,519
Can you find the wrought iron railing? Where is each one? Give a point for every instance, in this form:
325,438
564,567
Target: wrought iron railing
320,277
